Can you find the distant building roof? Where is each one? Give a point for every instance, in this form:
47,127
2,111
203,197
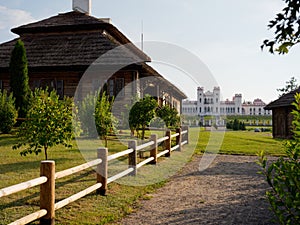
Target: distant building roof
285,100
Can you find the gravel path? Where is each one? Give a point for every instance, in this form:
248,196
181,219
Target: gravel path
229,192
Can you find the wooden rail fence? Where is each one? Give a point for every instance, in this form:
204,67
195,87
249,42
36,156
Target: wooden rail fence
47,178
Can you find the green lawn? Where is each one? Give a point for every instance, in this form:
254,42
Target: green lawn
122,197
242,142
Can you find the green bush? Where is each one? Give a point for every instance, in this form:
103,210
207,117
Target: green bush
8,112
235,125
283,176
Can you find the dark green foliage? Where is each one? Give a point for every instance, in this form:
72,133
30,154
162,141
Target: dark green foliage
49,123
287,29
141,114
169,115
283,176
235,125
104,119
291,85
19,78
8,112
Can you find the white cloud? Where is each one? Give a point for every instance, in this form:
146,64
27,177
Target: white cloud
10,18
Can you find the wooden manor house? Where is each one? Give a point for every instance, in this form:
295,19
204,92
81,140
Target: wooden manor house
60,50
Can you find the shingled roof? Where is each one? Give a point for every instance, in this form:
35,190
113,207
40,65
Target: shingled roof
71,39
283,101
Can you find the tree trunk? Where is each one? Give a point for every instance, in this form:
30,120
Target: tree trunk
46,154
105,138
143,133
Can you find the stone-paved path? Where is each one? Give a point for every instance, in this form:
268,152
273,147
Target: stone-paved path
229,192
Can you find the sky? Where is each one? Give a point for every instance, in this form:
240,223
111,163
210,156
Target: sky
225,36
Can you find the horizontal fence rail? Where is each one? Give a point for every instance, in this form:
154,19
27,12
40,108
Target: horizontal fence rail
46,214
22,186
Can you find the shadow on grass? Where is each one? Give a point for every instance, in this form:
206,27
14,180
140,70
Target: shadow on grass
23,166
8,140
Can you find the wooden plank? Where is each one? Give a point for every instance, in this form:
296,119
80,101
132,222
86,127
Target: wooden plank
119,154
120,175
30,218
184,142
77,196
132,157
140,147
144,162
154,150
184,132
22,186
174,135
179,138
47,192
162,139
168,143
162,153
102,170
76,169
175,147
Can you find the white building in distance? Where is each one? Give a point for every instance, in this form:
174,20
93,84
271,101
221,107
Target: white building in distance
209,104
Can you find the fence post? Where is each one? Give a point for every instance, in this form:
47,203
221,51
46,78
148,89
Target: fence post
153,151
178,138
132,157
168,143
102,170
47,192
186,136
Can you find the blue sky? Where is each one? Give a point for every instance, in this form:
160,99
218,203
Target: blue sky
225,34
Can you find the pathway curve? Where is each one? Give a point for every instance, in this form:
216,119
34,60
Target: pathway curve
229,192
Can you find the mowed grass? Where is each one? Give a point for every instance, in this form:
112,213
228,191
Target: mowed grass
122,198
240,143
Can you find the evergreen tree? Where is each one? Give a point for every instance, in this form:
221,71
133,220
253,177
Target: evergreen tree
19,78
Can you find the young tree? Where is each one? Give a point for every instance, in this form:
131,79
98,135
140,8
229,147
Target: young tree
19,78
141,114
49,123
104,119
169,115
8,112
291,85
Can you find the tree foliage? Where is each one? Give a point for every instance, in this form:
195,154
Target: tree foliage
8,112
141,114
283,176
49,123
287,28
19,78
169,115
104,119
86,111
291,85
